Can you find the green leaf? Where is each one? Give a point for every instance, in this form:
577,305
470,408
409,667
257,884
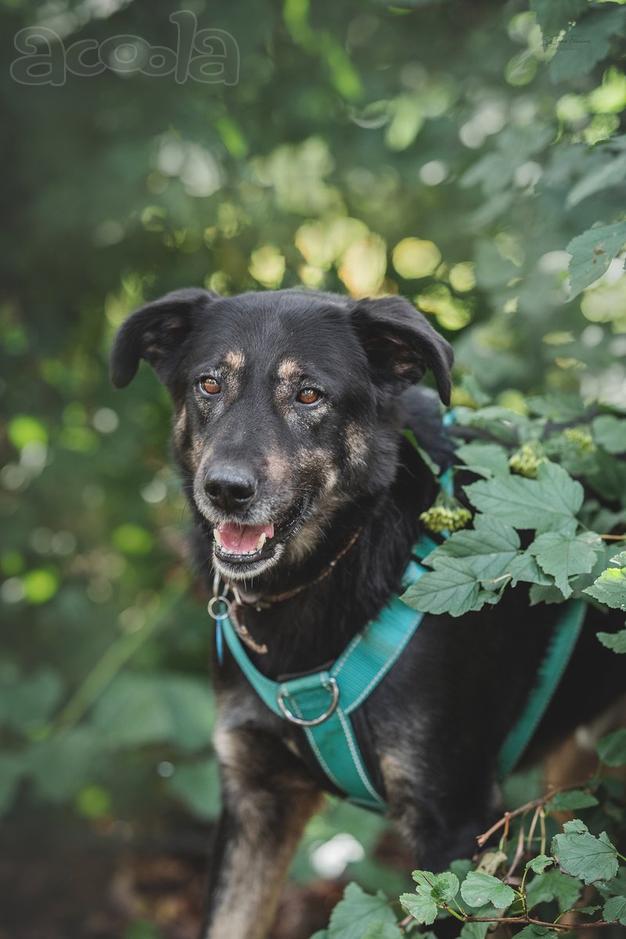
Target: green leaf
592,252
420,906
488,548
610,173
609,431
584,855
615,641
612,748
479,888
568,801
11,769
430,463
524,568
474,931
555,15
536,932
27,701
443,887
484,459
61,765
615,910
553,885
562,557
144,709
197,785
545,504
540,863
359,912
585,44
451,588
610,587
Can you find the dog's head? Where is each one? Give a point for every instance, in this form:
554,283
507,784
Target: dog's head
285,406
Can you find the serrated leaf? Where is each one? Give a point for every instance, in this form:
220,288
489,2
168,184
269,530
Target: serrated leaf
540,863
359,911
610,431
592,252
615,641
420,906
488,548
563,557
569,801
524,568
442,887
485,459
553,885
584,855
610,588
479,888
612,748
615,910
452,588
547,503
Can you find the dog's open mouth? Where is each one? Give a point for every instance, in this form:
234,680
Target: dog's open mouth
247,548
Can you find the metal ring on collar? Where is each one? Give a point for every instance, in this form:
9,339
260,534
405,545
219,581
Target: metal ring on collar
331,686
213,607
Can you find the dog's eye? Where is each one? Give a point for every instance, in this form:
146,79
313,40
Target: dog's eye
308,396
209,386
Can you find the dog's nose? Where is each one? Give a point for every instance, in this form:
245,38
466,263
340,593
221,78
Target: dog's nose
230,488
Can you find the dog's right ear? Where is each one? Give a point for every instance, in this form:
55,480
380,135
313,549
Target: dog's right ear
155,332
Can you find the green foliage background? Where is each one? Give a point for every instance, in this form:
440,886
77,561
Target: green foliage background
447,150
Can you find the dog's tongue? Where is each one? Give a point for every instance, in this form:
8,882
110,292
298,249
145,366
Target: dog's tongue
243,539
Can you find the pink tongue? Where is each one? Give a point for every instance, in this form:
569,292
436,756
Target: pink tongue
242,539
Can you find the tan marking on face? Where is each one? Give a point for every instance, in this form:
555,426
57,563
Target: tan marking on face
180,426
289,370
278,467
235,359
356,445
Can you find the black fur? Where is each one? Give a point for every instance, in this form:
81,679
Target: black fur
431,731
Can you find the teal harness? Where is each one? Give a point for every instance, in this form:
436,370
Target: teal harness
322,702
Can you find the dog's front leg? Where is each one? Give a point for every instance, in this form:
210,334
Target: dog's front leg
268,799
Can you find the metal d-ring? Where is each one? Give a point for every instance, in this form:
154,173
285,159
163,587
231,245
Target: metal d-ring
333,689
216,599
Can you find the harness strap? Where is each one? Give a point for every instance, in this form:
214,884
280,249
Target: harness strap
549,675
323,701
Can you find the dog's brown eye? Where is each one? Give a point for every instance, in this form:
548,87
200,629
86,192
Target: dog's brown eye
308,396
210,386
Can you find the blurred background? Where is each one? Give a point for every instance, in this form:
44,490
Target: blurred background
445,150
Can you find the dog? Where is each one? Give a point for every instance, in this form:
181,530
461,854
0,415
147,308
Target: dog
306,496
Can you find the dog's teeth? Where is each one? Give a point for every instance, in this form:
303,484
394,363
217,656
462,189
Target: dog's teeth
217,537
261,541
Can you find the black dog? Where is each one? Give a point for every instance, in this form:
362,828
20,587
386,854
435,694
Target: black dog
306,496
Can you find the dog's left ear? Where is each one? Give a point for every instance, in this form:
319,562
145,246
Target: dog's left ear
401,344
156,332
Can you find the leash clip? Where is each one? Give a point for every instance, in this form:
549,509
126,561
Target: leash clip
329,685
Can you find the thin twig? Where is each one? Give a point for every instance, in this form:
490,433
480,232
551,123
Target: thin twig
535,803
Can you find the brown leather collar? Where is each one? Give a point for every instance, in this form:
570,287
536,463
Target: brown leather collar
265,601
